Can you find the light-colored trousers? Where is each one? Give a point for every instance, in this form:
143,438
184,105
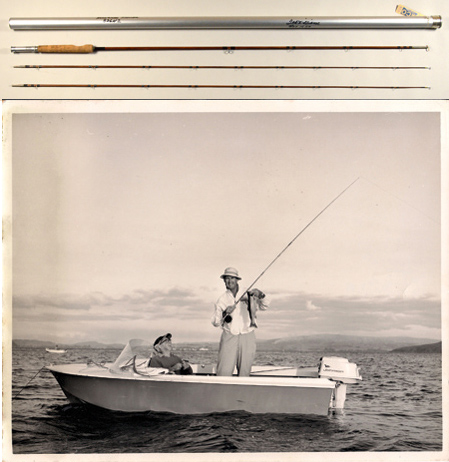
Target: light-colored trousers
236,351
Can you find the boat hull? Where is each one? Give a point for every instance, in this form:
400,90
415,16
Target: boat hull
194,394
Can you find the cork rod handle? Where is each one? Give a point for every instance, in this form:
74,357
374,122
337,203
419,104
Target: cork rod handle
65,49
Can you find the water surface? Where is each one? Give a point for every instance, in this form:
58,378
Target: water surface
397,407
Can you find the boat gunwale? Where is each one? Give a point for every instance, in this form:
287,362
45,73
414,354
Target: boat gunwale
278,381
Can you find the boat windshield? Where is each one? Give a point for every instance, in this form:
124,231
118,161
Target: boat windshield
137,350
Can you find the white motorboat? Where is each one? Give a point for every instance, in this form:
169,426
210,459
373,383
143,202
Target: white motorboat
129,385
55,350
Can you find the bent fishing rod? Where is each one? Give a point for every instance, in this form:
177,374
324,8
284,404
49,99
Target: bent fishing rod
294,239
312,87
232,308
299,234
147,23
85,49
94,66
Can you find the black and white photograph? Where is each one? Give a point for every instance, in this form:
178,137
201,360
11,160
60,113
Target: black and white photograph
225,280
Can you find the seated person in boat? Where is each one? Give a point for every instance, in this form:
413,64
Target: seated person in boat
163,357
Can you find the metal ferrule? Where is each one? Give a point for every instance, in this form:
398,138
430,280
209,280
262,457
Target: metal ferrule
31,49
126,23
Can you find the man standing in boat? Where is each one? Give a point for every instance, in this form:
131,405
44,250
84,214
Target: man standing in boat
236,316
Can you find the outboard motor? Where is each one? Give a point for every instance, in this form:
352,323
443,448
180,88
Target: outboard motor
341,371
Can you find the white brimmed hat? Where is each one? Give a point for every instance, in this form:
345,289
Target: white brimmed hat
231,272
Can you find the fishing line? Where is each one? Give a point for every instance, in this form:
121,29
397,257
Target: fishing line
15,396
401,200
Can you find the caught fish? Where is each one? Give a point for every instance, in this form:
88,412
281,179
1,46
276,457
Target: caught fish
252,308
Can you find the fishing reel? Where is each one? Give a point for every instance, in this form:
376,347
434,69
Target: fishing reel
227,318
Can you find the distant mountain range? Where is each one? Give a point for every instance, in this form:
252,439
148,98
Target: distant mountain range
325,343
334,342
429,348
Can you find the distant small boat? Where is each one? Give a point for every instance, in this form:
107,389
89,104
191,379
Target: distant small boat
128,385
55,350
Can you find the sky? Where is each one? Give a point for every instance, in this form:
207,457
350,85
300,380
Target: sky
124,222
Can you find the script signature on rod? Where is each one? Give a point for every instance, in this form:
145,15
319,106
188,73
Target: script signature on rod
301,23
114,20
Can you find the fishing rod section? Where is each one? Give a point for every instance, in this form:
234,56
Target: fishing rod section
222,86
311,87
295,23
95,66
87,49
90,48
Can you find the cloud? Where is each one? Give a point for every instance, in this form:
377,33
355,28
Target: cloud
139,297
66,302
141,305
353,315
170,297
63,301
146,312
311,307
